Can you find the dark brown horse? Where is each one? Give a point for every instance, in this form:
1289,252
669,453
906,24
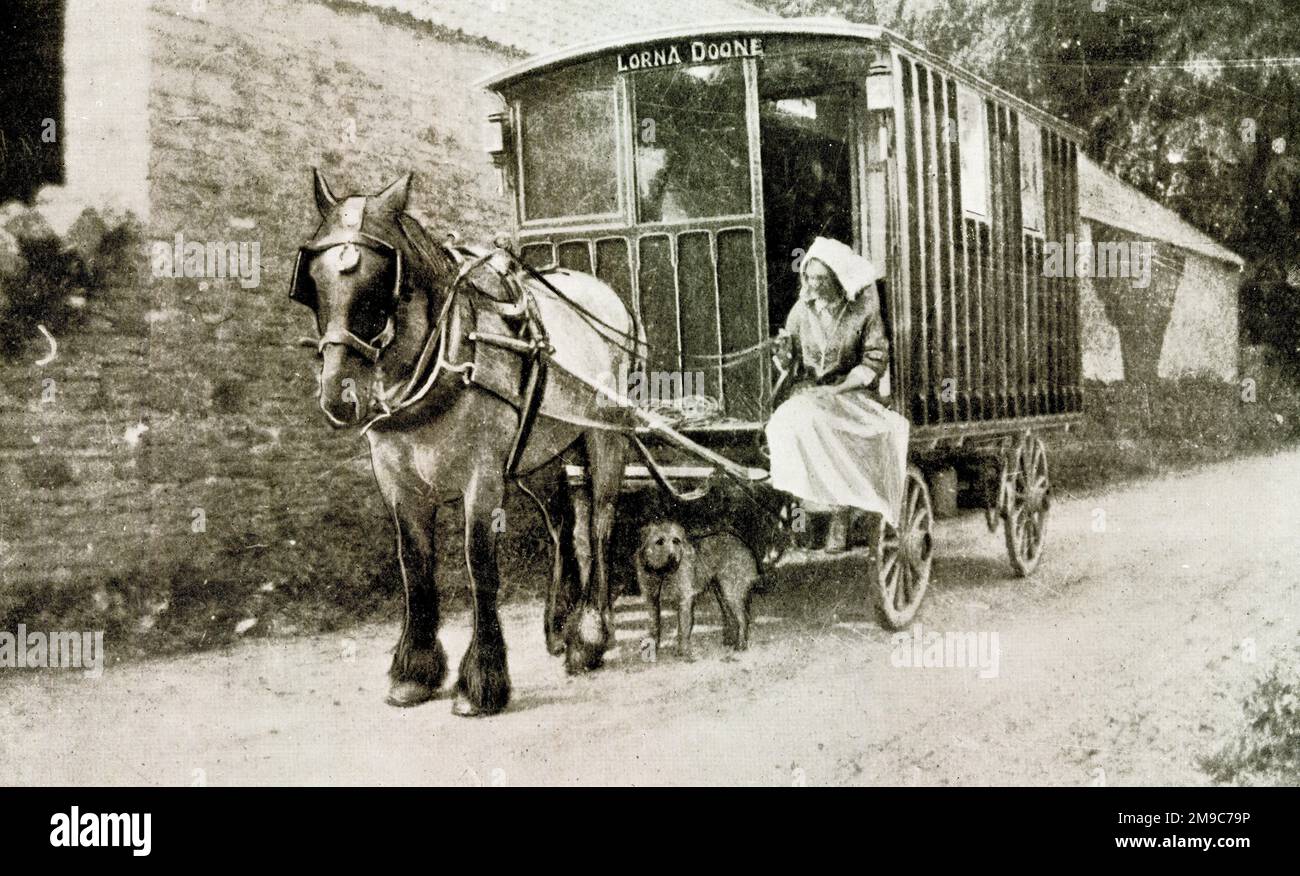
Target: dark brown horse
402,321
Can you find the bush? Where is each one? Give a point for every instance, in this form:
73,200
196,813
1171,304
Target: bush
54,276
1267,750
1137,430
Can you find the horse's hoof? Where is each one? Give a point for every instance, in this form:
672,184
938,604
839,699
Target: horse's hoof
463,707
405,694
580,657
587,638
554,644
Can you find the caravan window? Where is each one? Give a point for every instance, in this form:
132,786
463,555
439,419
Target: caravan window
1031,174
974,153
568,137
692,143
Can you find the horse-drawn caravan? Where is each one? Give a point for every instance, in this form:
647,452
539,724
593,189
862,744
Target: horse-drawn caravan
689,170
666,190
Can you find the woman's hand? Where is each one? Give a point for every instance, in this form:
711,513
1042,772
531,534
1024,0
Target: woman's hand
861,377
783,350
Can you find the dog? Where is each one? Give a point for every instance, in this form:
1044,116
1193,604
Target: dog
719,562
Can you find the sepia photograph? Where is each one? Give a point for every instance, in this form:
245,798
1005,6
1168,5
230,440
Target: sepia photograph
562,393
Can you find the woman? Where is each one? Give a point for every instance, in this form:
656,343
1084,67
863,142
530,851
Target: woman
833,444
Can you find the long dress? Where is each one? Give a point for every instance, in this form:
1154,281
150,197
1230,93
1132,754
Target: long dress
839,448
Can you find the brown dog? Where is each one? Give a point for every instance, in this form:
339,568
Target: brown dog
720,563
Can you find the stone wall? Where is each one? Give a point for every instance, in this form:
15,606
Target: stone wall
180,459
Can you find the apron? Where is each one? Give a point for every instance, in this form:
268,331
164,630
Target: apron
840,449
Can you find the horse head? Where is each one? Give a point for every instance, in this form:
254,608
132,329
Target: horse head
371,289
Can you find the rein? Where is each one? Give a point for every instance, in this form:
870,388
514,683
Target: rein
433,363
723,360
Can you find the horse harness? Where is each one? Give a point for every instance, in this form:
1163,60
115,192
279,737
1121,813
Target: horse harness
510,364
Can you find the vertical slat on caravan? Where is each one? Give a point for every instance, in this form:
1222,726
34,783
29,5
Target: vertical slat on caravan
940,367
1064,352
913,197
938,361
901,220
980,240
1076,326
957,376
963,337
1019,286
1054,194
998,257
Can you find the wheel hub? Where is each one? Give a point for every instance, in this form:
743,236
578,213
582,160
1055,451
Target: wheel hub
1036,500
911,547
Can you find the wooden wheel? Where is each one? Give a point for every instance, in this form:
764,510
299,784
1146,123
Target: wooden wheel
901,558
1027,501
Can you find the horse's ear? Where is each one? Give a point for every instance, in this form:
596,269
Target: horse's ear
393,198
325,199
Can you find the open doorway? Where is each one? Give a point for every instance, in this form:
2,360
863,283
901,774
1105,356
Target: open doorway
809,181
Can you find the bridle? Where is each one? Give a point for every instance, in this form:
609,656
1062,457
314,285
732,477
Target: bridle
373,349
352,226
440,344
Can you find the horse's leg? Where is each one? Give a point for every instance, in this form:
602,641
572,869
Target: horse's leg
419,663
563,593
554,504
590,628
484,684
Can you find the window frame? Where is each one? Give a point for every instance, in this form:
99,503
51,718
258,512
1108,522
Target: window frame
615,217
965,97
754,181
1035,167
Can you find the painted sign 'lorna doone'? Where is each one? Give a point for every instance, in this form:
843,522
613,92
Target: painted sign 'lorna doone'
694,52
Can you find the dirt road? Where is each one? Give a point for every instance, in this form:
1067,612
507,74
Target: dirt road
1122,661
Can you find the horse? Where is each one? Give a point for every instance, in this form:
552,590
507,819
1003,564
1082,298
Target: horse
422,344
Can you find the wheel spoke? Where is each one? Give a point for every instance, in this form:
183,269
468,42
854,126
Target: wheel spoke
903,595
888,572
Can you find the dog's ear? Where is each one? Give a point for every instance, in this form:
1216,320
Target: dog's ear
641,565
